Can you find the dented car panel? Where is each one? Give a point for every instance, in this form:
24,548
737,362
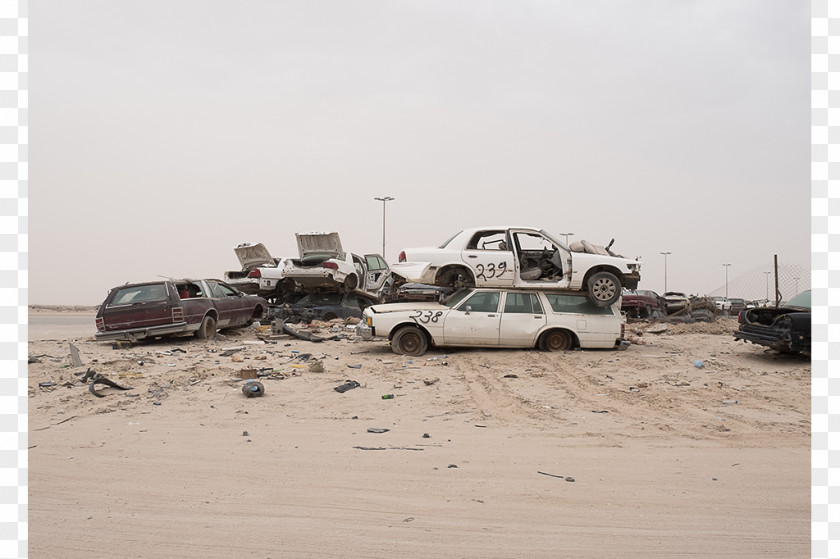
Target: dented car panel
786,329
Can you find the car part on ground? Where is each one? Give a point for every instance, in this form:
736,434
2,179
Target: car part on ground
488,317
785,328
168,307
521,257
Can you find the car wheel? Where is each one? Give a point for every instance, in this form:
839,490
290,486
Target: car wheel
455,278
207,330
556,340
409,340
350,283
604,289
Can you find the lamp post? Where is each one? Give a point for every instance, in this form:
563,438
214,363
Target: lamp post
726,288
666,270
384,200
567,235
767,286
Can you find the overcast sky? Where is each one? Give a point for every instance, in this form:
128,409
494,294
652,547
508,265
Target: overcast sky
163,134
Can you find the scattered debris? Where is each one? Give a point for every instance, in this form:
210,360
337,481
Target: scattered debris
430,381
248,373
349,385
99,379
377,430
359,366
387,396
729,402
316,367
699,364
74,356
253,389
567,478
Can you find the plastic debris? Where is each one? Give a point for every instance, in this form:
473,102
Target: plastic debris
699,364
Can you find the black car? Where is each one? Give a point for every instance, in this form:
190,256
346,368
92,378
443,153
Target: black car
786,328
323,306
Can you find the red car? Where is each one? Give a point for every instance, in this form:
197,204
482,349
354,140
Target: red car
161,308
640,303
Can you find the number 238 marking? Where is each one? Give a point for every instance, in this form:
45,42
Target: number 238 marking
490,271
426,317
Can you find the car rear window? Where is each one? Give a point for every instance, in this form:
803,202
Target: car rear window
575,304
140,293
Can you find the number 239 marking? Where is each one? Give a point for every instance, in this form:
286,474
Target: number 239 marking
490,271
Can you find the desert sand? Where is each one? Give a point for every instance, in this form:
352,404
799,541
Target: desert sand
487,453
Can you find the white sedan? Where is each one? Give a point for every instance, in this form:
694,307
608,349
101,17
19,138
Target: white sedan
261,274
485,317
520,257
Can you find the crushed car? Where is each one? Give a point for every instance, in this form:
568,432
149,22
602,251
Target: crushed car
323,306
503,318
135,311
524,257
676,303
324,265
261,274
786,328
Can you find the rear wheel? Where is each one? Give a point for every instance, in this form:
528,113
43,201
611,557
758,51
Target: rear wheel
207,330
604,289
350,283
455,278
556,340
409,340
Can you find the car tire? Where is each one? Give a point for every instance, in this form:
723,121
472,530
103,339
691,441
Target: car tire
207,330
351,282
555,340
409,340
603,288
449,278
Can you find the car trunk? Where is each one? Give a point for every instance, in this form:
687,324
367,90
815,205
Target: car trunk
251,256
314,248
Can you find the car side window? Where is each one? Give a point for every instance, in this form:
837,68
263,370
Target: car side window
488,240
227,291
485,301
535,303
575,304
215,290
518,303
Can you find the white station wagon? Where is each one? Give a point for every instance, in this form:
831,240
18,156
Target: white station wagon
485,317
520,257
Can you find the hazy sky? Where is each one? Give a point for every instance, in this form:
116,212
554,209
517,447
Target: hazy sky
163,134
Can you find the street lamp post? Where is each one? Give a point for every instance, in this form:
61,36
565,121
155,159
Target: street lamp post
567,235
726,285
666,270
384,199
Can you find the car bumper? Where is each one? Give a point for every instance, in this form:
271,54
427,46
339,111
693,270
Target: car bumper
140,333
365,332
773,339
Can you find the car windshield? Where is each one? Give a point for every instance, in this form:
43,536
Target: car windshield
449,240
802,300
554,239
453,300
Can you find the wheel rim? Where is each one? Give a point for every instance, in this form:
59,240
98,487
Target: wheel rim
557,341
603,289
410,342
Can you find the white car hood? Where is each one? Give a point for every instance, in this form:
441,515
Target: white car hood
319,243
251,256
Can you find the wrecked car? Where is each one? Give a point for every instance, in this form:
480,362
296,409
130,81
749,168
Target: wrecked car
640,303
523,257
504,318
322,306
167,307
676,302
786,328
261,274
324,265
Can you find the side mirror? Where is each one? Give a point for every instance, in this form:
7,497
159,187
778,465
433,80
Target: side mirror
468,309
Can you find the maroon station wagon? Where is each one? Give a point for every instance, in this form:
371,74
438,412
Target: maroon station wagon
640,303
161,308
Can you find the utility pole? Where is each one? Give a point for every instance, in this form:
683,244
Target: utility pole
666,270
384,199
726,267
767,286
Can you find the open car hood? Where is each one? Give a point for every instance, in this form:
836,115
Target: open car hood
251,256
319,243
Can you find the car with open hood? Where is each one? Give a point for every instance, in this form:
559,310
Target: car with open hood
261,273
324,265
786,328
522,257
496,318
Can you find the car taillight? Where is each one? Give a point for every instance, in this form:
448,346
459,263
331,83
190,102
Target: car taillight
100,324
330,265
255,273
402,256
177,314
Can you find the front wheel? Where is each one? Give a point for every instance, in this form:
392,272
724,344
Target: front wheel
604,289
409,340
207,330
556,340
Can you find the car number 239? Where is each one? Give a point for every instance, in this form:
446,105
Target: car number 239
426,317
490,270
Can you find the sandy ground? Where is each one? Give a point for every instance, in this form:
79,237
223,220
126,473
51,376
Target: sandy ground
488,453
